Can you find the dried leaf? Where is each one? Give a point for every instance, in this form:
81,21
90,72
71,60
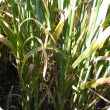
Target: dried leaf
31,67
101,58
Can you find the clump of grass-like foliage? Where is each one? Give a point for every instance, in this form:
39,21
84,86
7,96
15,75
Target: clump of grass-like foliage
57,45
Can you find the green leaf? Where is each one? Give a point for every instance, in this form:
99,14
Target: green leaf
107,21
8,44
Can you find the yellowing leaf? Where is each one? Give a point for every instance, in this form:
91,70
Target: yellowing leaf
94,83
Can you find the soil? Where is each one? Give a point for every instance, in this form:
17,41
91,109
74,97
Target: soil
9,85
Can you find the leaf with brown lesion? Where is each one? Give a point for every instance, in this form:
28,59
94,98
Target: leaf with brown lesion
30,69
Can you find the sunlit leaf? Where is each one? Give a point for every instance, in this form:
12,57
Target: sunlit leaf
93,47
93,83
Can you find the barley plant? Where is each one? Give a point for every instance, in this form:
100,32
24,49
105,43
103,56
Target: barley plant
61,49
